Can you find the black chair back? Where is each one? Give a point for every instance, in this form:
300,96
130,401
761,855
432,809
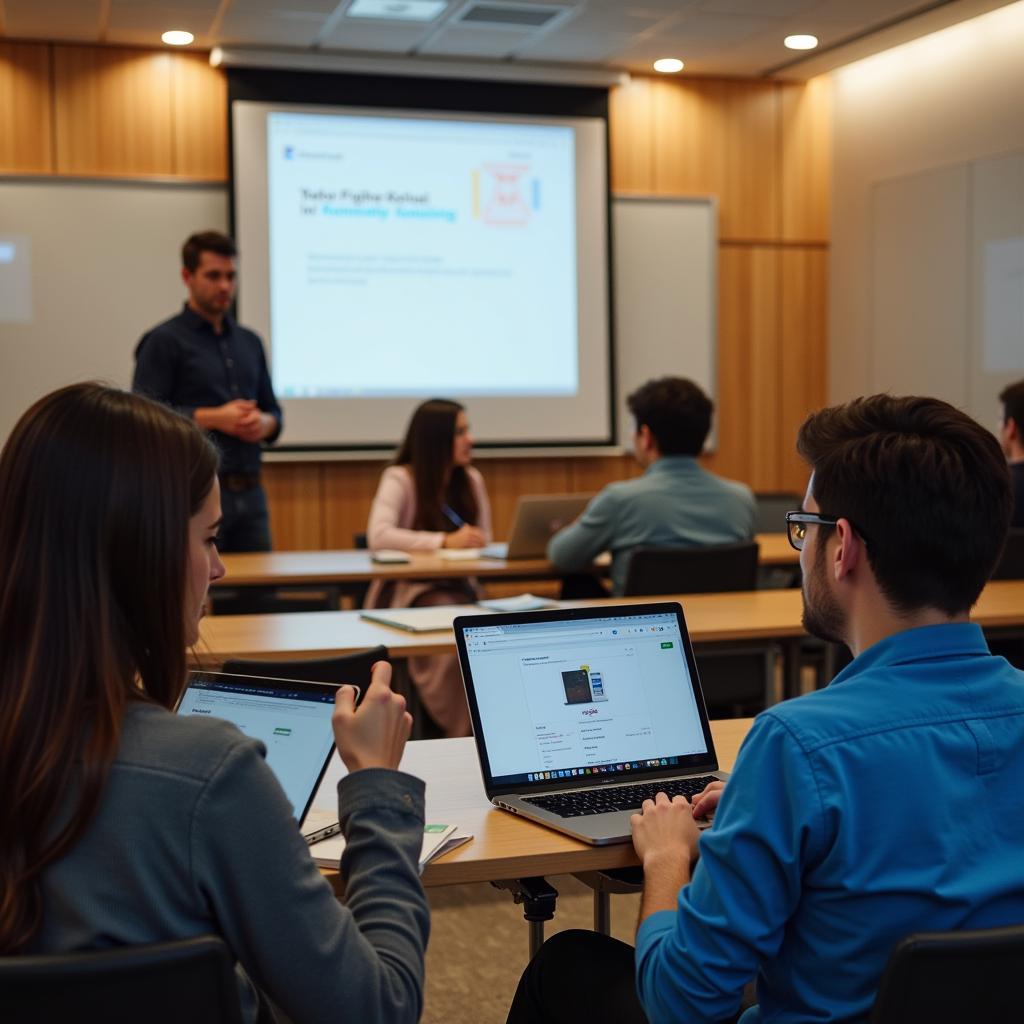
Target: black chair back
952,977
346,668
1011,564
723,567
772,507
189,980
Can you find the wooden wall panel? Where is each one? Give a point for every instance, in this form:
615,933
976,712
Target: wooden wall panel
296,505
631,136
720,137
802,352
113,111
748,365
805,123
26,123
507,479
348,490
200,118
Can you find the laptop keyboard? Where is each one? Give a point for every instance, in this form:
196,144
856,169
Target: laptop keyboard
616,798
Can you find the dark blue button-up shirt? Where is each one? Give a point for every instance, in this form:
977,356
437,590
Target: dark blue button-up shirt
185,363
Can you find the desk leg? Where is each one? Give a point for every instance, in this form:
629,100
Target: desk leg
538,899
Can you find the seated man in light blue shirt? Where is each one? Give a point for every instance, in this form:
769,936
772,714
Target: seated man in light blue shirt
885,804
675,503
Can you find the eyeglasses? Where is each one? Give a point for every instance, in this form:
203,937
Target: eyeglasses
797,523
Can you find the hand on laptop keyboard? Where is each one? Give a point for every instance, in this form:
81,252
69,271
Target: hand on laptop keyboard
705,804
574,804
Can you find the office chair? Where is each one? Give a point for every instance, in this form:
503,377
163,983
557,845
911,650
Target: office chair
346,668
738,680
1011,564
707,570
189,980
951,977
229,600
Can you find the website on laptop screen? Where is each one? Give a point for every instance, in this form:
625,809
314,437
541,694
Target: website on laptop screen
564,699
294,726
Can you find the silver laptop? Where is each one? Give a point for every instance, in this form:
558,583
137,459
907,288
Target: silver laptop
581,714
537,518
291,717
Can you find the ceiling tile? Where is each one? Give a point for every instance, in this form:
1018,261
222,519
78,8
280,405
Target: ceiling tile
396,37
293,28
759,8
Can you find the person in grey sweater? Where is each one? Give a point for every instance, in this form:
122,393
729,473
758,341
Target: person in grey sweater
122,823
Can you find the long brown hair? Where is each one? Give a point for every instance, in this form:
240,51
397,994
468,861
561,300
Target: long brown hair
427,452
96,490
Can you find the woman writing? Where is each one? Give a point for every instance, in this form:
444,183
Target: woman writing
432,498
123,823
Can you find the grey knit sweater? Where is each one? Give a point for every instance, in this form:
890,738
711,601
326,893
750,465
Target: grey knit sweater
195,836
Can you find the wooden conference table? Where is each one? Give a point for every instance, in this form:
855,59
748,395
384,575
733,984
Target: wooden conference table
506,850
341,568
731,618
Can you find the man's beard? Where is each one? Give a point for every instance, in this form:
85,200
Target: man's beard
822,615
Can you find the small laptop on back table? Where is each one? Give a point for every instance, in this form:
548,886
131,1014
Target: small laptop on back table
537,518
580,714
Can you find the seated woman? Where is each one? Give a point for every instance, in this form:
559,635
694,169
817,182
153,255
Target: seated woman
432,498
123,823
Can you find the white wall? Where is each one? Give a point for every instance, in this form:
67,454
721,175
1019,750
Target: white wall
921,181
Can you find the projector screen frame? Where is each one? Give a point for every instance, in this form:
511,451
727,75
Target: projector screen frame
451,96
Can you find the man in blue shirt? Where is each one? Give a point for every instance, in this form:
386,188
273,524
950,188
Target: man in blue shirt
213,370
675,503
885,804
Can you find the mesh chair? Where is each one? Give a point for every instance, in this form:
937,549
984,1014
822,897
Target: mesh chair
1011,564
738,680
189,980
951,977
347,668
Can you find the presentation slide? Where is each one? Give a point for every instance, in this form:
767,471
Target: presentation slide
392,256
481,221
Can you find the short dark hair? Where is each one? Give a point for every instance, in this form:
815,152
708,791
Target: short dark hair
1012,397
927,487
205,241
675,411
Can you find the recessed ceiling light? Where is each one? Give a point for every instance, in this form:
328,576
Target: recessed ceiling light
177,38
397,10
668,65
801,42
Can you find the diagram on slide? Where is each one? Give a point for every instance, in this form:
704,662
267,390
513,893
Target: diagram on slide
498,194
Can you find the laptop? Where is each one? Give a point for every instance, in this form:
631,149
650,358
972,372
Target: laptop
291,717
581,714
537,519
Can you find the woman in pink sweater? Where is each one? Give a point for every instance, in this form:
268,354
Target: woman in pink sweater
432,498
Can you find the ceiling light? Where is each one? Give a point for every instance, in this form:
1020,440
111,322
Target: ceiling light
801,42
397,10
177,38
668,65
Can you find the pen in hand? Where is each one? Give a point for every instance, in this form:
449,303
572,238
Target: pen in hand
452,516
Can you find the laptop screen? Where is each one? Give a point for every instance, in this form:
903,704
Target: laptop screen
560,697
292,719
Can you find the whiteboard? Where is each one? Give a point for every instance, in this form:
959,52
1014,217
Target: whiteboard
87,266
666,303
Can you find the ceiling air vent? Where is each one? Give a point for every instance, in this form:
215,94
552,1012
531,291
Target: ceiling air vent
497,15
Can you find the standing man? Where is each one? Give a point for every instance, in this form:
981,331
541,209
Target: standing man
1012,439
675,503
886,803
209,368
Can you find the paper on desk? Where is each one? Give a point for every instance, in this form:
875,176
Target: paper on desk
519,603
429,619
437,839
459,554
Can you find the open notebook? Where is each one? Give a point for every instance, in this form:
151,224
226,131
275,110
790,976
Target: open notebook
437,839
